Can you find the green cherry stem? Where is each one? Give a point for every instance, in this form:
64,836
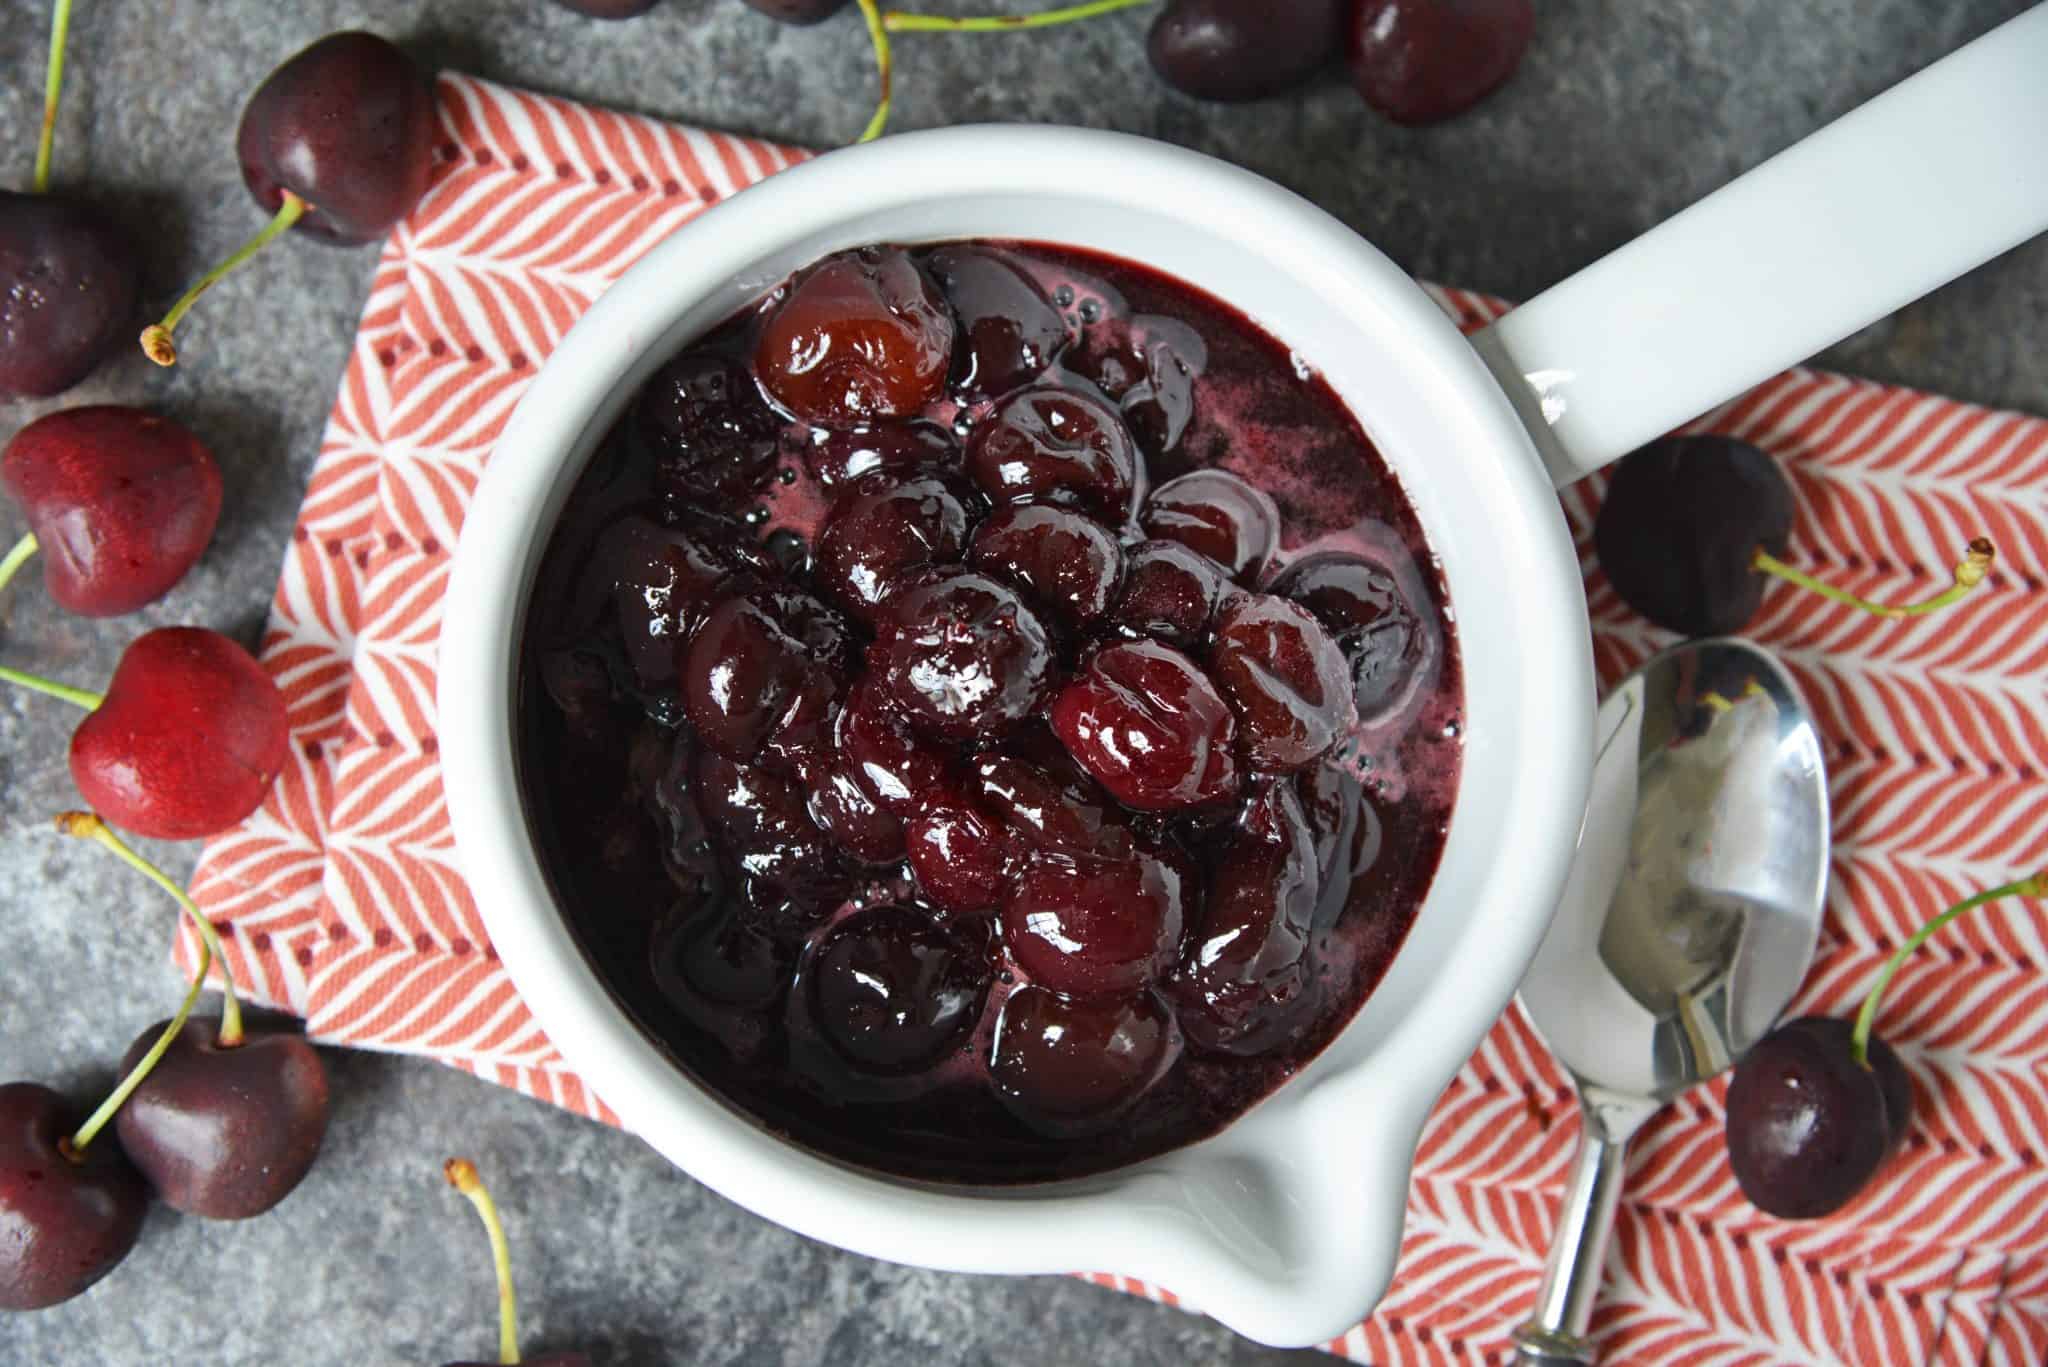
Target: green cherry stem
88,826
20,555
2035,885
36,683
156,338
895,21
1971,572
878,35
462,1175
53,86
74,1147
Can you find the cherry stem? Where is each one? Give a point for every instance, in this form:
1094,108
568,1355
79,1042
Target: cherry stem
36,683
88,826
23,551
462,1175
53,85
74,1147
1859,1039
1971,572
156,338
879,36
895,21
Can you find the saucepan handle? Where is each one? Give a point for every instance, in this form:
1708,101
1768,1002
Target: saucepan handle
1937,175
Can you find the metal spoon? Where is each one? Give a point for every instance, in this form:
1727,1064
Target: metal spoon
1687,924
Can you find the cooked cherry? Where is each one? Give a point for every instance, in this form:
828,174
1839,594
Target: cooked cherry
1089,926
1011,330
764,823
1219,515
1347,831
856,823
1218,50
664,583
1067,564
839,456
1150,727
1160,402
894,992
963,657
703,426
762,668
1417,61
1362,606
1069,1067
1681,525
63,1224
1053,811
1170,593
899,767
960,858
723,975
1247,978
885,523
1055,446
861,336
68,281
1285,679
672,802
1807,1124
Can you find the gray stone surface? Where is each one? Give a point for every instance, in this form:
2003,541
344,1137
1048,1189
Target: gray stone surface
1623,113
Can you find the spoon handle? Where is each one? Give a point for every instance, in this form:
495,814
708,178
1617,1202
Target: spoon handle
1556,1332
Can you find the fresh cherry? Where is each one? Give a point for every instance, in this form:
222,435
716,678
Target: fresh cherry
1067,564
1247,977
1218,515
893,991
1361,605
837,457
337,142
1050,445
1150,727
885,523
1088,926
801,12
121,501
462,1175
609,9
67,1218
961,656
186,740
704,428
1170,593
861,337
1218,50
1012,332
1068,1067
1418,61
1285,678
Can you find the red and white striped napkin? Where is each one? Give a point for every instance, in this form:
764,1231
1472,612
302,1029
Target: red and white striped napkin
342,900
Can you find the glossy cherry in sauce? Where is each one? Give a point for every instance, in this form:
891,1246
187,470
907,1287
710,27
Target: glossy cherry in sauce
705,429
886,523
763,822
1287,681
861,337
1362,606
1807,1123
961,656
69,1219
1219,515
1068,564
959,855
761,671
1170,593
1055,445
894,991
839,455
1094,926
1069,1067
121,504
68,286
1419,61
1048,803
1010,332
1218,50
1148,725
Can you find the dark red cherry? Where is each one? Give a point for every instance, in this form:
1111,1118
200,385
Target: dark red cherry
962,656
1149,726
224,1132
1170,593
664,581
861,337
1056,812
1680,527
348,126
1089,926
724,976
1220,50
1011,332
122,504
1247,978
1362,606
1068,1067
1417,61
894,992
854,820
63,1224
1055,446
883,524
764,666
1808,1126
68,285
1219,515
1067,564
704,428
960,858
1347,831
764,824
1284,677
836,457
890,759
608,9
801,12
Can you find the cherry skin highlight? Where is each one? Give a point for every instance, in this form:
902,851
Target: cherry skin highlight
1419,61
1149,726
1807,1125
68,289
